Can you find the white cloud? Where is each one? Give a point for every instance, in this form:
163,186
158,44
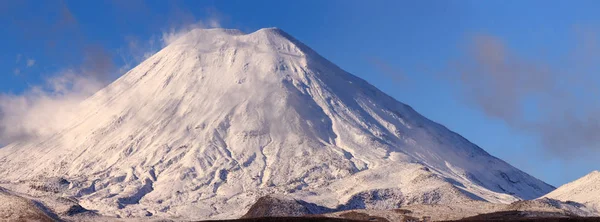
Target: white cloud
30,62
174,34
43,110
136,50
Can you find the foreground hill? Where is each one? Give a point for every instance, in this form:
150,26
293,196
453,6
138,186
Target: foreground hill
16,208
219,119
273,206
585,190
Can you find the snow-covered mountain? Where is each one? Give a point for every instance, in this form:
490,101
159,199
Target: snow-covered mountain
585,190
219,118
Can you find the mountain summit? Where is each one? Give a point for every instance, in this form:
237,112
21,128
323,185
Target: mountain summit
219,118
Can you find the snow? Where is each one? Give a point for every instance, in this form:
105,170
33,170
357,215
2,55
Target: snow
219,118
585,190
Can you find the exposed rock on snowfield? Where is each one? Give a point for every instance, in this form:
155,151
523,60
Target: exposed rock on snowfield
218,119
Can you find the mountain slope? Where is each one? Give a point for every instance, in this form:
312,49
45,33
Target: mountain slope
220,118
16,208
585,190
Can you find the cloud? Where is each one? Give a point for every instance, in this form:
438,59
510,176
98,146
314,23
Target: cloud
173,34
171,25
30,62
496,80
180,22
387,69
98,64
184,21
136,51
43,110
554,99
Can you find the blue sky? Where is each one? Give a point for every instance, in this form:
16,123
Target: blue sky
527,60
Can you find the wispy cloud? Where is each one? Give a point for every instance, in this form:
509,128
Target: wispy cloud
186,21
173,34
44,109
30,62
556,102
387,69
181,21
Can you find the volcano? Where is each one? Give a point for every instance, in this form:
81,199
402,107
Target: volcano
219,119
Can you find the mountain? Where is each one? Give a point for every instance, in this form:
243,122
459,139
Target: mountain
585,190
218,119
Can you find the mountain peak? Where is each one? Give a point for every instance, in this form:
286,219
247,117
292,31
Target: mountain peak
270,30
202,34
273,40
594,175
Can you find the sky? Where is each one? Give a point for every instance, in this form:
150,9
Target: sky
517,78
